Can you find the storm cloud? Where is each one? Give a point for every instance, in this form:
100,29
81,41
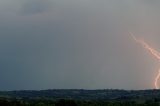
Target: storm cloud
85,44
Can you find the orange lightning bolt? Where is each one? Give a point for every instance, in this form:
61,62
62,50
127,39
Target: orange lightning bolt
155,53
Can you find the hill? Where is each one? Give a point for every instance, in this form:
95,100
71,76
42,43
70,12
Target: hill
103,97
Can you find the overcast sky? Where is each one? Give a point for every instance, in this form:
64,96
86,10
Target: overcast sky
78,44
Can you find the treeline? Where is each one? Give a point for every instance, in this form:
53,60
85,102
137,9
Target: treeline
83,94
71,102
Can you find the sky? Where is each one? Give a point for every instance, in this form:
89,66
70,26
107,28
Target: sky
78,44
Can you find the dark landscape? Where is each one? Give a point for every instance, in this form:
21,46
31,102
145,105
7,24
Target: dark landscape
75,97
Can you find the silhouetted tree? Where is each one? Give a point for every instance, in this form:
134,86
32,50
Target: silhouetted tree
63,102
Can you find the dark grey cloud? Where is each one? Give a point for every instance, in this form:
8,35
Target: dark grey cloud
76,44
31,7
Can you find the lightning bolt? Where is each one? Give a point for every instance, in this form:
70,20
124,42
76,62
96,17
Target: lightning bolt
152,51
